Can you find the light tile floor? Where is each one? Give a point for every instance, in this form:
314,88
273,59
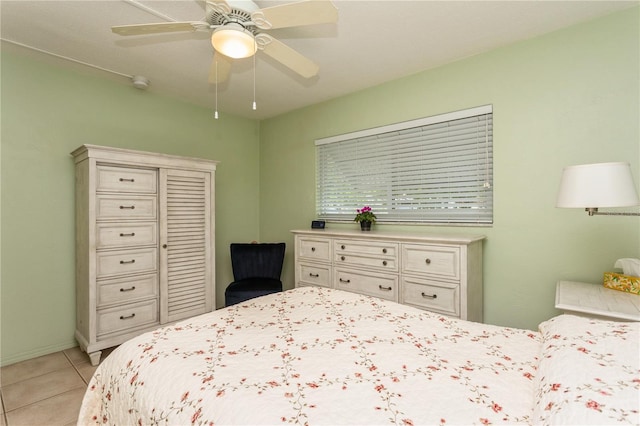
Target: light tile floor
47,390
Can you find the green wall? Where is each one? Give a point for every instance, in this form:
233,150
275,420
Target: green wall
48,111
570,97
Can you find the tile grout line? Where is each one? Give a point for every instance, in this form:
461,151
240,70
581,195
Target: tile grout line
38,402
43,373
4,411
73,364
75,369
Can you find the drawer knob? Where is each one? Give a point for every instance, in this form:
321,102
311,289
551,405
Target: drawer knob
314,275
345,281
384,263
429,296
132,234
127,180
343,247
128,289
384,288
428,261
384,250
124,262
127,207
342,258
313,249
122,317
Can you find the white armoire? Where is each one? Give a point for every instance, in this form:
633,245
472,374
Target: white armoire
144,243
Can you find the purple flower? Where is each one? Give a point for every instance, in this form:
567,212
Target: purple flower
365,214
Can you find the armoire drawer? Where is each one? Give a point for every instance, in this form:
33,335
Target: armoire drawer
126,179
121,262
112,235
127,317
431,295
122,207
364,282
128,289
428,260
314,274
314,249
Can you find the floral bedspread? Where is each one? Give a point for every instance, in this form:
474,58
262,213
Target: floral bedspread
589,372
320,356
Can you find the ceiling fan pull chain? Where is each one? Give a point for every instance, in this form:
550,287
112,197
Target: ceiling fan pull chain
215,115
254,77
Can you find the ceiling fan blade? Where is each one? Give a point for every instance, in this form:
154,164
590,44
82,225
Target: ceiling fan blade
290,58
160,27
220,69
307,12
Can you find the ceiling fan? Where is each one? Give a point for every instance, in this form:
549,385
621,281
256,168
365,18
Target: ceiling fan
237,26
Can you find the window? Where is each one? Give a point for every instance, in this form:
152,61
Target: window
432,170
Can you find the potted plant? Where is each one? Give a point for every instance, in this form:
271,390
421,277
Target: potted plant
366,217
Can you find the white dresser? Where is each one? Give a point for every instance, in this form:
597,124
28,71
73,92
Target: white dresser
144,243
438,273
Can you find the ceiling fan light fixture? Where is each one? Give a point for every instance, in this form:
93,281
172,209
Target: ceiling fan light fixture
234,41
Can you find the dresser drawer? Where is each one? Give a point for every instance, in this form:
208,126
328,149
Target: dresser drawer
371,283
126,207
120,262
125,290
431,260
380,262
431,295
313,274
127,317
314,249
112,235
387,250
126,179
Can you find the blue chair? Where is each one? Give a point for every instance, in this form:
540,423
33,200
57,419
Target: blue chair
256,271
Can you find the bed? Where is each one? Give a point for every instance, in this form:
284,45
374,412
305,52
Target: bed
320,356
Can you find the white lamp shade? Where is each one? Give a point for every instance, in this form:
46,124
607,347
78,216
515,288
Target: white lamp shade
597,185
234,41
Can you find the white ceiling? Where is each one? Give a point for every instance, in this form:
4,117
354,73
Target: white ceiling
373,42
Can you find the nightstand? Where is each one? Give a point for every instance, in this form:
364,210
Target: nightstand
597,301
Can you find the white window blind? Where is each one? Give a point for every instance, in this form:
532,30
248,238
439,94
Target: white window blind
436,170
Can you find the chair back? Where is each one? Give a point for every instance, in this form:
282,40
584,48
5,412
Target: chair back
261,260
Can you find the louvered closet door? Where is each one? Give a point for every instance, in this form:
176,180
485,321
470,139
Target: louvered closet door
186,263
